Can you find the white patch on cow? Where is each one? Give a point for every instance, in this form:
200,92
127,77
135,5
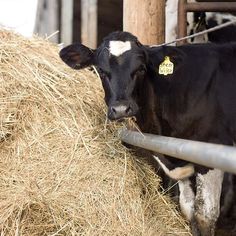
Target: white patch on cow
178,173
219,17
208,196
117,48
186,198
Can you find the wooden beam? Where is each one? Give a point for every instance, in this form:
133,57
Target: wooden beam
145,19
66,21
89,23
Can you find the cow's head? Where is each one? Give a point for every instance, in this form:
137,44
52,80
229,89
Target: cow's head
120,60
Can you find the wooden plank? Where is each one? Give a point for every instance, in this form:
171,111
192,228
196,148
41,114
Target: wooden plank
145,19
47,19
89,23
66,21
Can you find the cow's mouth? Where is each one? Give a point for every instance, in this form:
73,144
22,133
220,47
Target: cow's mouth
121,118
130,122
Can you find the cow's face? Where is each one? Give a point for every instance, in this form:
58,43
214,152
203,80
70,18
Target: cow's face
121,61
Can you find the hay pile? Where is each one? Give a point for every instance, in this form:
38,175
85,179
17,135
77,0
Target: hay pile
62,169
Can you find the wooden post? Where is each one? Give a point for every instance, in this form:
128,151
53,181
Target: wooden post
145,19
66,21
89,23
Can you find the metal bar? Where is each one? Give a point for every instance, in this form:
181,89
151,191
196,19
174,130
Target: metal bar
211,6
182,21
184,8
206,154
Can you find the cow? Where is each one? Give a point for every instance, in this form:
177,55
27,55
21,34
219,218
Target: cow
224,35
184,92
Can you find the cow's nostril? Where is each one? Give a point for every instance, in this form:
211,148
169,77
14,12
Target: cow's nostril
128,110
113,109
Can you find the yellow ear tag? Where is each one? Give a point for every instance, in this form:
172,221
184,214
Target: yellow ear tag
166,67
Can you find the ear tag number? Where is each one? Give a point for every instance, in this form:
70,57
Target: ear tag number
166,67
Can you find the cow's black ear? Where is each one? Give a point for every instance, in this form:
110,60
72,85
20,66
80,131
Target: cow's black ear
77,56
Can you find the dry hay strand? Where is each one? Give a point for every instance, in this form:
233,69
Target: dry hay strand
63,171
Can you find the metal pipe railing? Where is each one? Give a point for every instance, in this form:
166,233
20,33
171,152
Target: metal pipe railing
184,7
207,154
211,6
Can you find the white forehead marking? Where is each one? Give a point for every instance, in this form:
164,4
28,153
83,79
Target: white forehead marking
117,48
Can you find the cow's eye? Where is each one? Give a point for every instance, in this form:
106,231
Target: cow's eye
140,71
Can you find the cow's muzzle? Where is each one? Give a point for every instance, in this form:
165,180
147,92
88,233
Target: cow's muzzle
121,110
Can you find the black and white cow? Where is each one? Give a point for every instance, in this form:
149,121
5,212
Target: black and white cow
191,96
224,35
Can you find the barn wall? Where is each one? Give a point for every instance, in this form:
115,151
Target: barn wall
110,17
77,22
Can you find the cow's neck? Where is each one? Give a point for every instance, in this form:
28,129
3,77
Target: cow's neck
150,93
147,118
